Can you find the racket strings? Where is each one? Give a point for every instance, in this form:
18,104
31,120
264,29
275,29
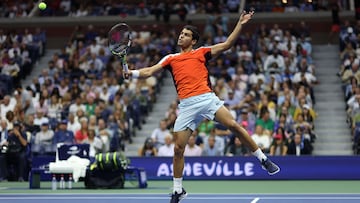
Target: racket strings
120,39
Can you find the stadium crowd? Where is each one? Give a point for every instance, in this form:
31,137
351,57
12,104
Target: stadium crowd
266,80
160,9
349,73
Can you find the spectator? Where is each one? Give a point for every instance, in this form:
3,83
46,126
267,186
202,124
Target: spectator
182,12
335,26
299,146
236,148
306,6
192,149
3,147
12,69
205,128
74,107
167,11
158,134
304,30
211,148
262,139
90,105
168,148
54,109
8,103
148,149
265,121
63,135
81,135
96,144
353,71
40,118
309,115
276,31
43,142
24,96
274,62
73,125
285,123
233,5
105,134
157,10
279,145
42,106
199,141
307,111
16,152
30,125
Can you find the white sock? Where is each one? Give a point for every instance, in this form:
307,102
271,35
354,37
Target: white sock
259,154
177,185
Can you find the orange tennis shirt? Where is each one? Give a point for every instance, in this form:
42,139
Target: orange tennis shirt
190,75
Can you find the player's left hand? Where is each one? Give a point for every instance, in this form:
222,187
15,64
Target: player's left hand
246,16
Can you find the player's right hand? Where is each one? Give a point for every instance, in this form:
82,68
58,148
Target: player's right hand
127,75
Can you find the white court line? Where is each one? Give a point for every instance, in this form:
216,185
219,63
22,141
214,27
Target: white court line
255,200
195,198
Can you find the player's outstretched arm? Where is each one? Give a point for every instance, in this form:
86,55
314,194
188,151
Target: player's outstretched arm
144,72
219,48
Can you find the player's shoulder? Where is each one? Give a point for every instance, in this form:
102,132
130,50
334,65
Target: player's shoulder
203,48
169,57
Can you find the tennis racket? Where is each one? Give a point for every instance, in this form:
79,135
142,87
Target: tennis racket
120,39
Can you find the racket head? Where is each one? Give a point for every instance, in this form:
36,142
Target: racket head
119,38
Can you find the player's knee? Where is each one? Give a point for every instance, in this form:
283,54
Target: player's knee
179,150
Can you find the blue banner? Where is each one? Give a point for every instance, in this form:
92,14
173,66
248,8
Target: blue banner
243,168
238,168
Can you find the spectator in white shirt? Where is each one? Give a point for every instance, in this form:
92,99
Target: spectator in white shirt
76,106
159,133
73,125
7,104
40,118
12,69
275,57
261,139
168,148
191,148
44,140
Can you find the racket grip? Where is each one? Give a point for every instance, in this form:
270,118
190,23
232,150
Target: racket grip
125,67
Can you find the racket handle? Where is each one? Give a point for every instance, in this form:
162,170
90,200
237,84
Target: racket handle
125,67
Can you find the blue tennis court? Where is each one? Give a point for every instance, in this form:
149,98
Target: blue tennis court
192,198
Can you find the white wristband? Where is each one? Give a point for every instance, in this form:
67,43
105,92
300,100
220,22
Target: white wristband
135,73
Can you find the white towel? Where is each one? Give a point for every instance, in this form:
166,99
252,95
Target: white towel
74,164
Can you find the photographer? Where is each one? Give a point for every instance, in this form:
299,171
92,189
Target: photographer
15,153
3,147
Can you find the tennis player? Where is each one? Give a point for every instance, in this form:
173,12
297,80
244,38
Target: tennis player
197,100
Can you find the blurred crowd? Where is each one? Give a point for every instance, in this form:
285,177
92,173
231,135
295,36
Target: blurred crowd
160,9
19,52
349,74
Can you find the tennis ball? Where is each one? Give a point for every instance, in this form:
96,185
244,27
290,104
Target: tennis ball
42,6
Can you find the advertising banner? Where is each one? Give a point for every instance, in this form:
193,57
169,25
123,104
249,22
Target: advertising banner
243,168
238,168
